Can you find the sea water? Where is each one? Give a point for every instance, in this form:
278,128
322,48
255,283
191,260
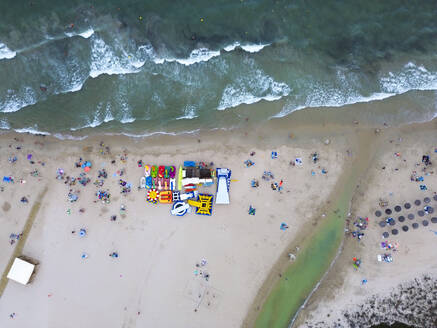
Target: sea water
142,67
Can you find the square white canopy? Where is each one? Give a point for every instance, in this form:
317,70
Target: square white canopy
21,271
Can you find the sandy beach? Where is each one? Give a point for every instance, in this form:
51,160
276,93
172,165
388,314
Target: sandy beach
154,275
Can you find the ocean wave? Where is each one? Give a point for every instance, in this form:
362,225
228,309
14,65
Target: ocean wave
204,54
189,113
332,99
127,120
144,135
105,61
108,114
90,124
411,77
85,34
32,130
249,90
61,136
196,56
126,112
4,125
6,53
14,101
248,47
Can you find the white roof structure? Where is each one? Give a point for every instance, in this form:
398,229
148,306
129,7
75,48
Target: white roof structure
21,271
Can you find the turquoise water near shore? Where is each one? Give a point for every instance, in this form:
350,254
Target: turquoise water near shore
140,67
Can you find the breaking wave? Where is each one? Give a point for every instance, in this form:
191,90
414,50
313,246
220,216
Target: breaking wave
189,113
13,101
249,90
409,77
251,48
85,34
5,52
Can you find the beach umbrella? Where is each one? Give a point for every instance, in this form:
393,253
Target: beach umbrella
388,211
417,202
87,169
394,231
435,197
434,220
385,235
382,224
407,205
405,228
421,213
378,214
426,200
398,208
425,223
415,225
410,216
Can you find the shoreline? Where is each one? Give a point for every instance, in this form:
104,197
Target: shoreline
377,113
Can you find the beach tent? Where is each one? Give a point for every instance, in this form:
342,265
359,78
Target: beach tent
21,271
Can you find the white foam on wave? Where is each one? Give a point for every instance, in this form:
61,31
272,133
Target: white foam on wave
85,34
144,135
231,47
189,113
90,124
105,61
248,47
108,114
251,89
13,101
32,130
69,137
411,77
5,52
201,54
196,56
127,113
331,98
4,125
252,48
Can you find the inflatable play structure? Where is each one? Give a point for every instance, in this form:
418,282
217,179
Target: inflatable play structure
180,186
223,184
165,197
180,208
203,204
152,196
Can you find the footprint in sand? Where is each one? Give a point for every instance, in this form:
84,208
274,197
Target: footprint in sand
6,206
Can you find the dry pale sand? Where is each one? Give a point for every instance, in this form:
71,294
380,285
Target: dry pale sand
152,282
398,154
